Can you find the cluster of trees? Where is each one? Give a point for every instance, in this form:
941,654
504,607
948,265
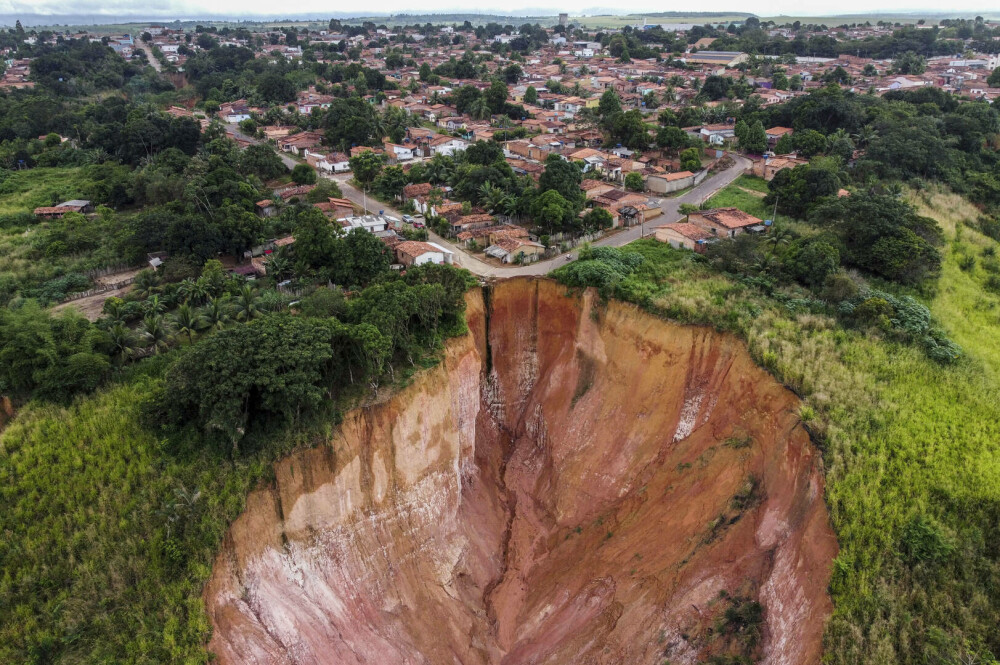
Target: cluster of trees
484,104
628,128
279,368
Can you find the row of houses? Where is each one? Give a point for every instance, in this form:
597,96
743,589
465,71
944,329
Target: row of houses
706,226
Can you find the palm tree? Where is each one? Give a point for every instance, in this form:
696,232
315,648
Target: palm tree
216,312
145,282
479,109
188,321
193,290
865,136
123,340
277,266
246,304
156,333
493,197
115,309
439,169
153,305
778,235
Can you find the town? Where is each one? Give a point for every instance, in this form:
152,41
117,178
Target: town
537,93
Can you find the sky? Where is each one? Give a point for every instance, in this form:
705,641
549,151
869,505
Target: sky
182,9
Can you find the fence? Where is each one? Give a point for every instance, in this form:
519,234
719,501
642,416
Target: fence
99,289
110,270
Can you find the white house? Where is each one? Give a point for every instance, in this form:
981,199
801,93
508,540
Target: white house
370,223
415,253
401,153
447,145
335,162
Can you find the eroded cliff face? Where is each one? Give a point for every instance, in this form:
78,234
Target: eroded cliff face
575,483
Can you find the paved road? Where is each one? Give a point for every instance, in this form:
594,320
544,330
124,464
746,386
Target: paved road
153,62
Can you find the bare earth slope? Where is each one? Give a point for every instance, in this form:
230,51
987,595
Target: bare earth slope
575,483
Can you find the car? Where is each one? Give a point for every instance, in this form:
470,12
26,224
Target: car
407,219
418,225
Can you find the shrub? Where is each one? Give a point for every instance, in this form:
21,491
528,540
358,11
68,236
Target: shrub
303,174
923,541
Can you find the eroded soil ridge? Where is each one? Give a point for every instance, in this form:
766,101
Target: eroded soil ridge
578,482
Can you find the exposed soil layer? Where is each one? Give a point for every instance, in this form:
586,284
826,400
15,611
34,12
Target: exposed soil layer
576,482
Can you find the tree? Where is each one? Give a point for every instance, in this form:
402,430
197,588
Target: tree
811,261
188,321
994,78
246,304
797,191
352,122
425,71
303,174
260,160
273,367
740,130
630,130
691,160
531,95
562,176
883,235
671,138
551,211
217,312
755,139
716,87
809,142
910,63
496,96
156,332
47,356
366,166
512,73
779,81
597,219
275,88
610,105
634,182
464,97
784,145
390,182
364,258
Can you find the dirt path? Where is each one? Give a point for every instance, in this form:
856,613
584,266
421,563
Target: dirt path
91,306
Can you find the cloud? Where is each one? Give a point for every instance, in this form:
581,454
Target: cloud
181,9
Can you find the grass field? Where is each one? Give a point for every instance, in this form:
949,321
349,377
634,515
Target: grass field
34,253
26,190
735,196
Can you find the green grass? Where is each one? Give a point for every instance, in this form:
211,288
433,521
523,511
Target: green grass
752,182
110,531
734,196
38,251
22,191
906,442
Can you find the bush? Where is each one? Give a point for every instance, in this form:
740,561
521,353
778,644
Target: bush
303,174
923,541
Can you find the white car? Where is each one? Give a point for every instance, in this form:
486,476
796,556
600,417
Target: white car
407,219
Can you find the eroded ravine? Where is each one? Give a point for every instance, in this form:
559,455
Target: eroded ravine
574,483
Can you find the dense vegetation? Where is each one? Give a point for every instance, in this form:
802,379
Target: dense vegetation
910,444
107,562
